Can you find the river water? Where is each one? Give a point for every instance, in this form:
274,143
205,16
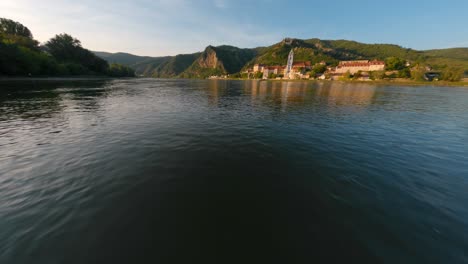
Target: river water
194,171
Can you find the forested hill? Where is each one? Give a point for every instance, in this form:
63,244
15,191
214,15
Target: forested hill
62,55
212,61
229,60
121,57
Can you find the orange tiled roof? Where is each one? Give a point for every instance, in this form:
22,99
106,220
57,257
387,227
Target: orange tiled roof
302,64
274,67
360,63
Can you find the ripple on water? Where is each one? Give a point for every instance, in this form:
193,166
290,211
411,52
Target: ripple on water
174,171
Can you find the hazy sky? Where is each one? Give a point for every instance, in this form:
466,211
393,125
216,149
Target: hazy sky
168,27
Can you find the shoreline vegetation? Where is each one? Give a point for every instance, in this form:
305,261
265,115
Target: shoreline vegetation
407,82
381,82
58,78
62,55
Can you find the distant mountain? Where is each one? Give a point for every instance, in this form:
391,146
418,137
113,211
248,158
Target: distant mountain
174,66
219,61
452,57
146,67
454,53
228,59
122,58
213,61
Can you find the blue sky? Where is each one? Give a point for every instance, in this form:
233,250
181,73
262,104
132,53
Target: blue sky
168,27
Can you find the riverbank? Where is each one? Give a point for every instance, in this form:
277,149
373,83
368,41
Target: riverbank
74,78
380,82
413,83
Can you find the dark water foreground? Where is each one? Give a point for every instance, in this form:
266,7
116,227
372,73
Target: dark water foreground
174,171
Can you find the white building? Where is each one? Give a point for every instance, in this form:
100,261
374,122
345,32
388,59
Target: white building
258,68
267,70
359,65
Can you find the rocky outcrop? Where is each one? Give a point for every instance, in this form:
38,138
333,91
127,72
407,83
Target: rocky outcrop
209,59
220,60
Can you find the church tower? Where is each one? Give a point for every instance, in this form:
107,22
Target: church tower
289,66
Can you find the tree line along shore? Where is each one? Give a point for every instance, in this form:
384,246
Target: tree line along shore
62,55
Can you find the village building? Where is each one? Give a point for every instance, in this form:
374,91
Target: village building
258,68
268,70
297,70
359,65
301,66
300,69
292,70
322,77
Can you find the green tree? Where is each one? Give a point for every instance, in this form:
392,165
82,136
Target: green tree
258,75
20,55
347,75
404,73
319,68
12,32
19,59
119,70
10,27
418,73
377,75
392,75
357,75
64,47
67,49
236,75
395,64
452,74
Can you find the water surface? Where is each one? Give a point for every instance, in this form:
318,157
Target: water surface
181,171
